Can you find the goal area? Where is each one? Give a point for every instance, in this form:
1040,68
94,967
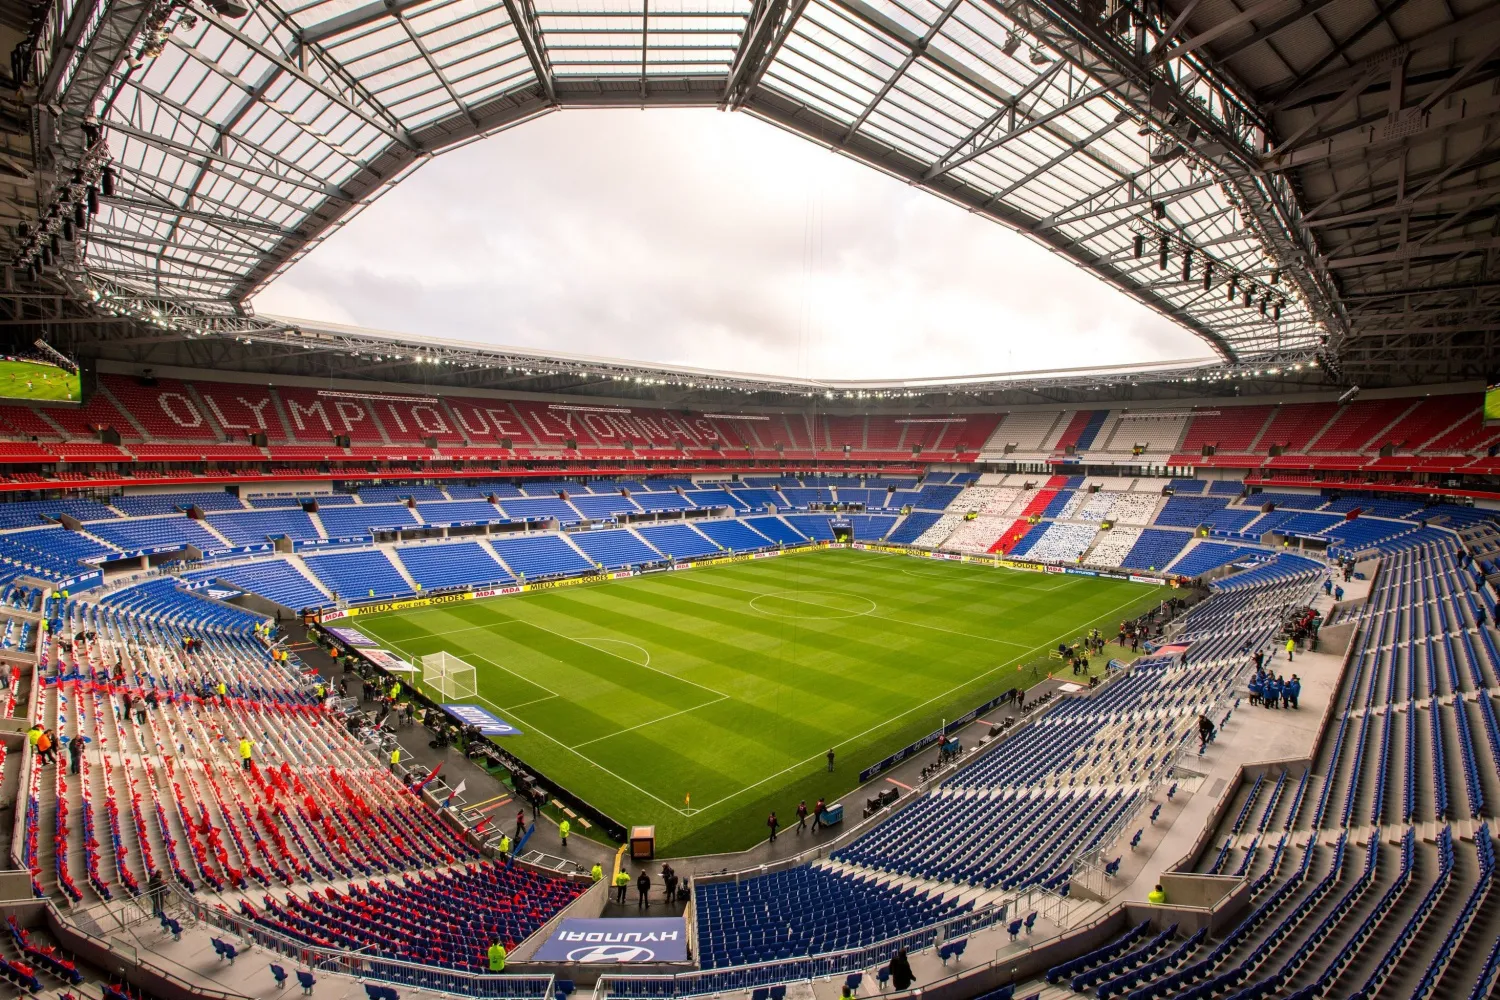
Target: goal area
449,677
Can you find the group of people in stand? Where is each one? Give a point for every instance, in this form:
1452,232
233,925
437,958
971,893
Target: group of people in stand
1273,690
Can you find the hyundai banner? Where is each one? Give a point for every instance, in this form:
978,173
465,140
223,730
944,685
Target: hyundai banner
616,941
488,722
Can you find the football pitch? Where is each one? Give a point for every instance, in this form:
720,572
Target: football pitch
701,700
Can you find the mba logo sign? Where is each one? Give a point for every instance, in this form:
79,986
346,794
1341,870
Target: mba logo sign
611,942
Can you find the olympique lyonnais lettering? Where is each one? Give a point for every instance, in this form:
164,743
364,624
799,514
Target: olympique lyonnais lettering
618,937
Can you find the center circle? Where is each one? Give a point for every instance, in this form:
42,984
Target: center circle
813,605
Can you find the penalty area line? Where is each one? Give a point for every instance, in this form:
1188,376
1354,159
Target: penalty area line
582,756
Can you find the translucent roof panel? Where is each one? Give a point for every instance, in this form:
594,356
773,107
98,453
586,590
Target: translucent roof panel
241,143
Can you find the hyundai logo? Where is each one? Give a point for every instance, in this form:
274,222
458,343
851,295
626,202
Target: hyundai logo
596,954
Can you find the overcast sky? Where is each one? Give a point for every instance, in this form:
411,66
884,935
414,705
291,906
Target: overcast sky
703,238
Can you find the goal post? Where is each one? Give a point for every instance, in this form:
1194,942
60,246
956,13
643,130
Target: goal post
448,676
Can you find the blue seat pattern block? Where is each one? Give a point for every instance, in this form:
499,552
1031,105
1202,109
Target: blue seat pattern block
735,535
540,509
615,549
165,600
936,497
1207,556
540,556
1155,549
400,494
1181,487
256,526
909,530
31,513
1309,523
297,500
1290,501
136,534
709,499
807,911
871,527
776,529
145,504
367,573
603,506
459,512
814,526
358,520
446,919
655,503
678,541
451,564
758,500
276,580
1190,511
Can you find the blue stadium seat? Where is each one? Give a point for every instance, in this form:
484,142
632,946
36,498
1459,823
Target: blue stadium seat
451,564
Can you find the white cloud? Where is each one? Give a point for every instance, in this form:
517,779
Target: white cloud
710,239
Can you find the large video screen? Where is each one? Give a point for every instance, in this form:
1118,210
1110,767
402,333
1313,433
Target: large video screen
38,379
1492,400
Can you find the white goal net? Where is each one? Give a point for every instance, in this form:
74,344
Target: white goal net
449,677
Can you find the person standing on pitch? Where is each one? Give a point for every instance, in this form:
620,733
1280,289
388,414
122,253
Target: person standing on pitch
830,759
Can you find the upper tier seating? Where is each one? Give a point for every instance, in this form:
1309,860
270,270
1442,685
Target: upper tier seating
733,535
1183,511
1358,423
1295,426
539,555
1155,549
358,519
276,580
604,506
400,494
1228,429
367,573
459,512
618,548
145,504
776,529
252,527
137,534
678,541
540,509
314,418
814,526
452,564
1207,556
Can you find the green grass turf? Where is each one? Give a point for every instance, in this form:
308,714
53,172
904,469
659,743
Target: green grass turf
729,683
47,381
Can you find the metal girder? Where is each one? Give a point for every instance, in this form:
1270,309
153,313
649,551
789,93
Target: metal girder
1413,126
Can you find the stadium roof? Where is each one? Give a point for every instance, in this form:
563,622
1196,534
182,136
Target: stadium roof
1236,170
